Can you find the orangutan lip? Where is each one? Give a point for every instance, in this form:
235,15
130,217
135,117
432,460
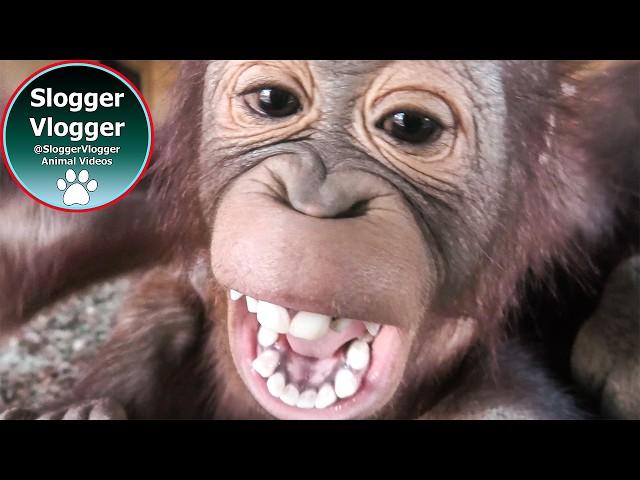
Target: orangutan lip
308,365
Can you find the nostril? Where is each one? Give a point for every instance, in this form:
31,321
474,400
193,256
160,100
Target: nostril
339,195
358,209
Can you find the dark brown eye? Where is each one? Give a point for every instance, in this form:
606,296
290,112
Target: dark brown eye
410,126
274,102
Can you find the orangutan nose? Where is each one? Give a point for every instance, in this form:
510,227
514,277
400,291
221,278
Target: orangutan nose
311,190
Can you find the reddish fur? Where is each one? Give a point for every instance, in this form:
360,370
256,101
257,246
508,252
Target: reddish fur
570,205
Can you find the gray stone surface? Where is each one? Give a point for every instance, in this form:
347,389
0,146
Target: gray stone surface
42,361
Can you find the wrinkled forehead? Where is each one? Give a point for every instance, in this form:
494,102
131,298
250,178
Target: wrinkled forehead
480,76
348,71
475,88
354,70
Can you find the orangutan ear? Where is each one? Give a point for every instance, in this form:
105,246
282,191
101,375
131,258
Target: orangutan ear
602,97
586,70
609,83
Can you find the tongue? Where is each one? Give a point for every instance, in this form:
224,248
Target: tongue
328,345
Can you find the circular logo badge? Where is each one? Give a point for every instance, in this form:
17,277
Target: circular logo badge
77,136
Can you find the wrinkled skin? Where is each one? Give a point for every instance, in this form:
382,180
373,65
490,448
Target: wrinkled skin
324,211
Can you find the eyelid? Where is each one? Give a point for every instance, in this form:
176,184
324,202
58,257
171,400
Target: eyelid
421,145
258,113
429,103
442,127
413,109
291,85
255,87
249,109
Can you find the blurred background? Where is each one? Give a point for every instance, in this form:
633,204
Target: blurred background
153,78
42,361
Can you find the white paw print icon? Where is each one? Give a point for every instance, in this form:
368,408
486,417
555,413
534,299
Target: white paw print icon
76,193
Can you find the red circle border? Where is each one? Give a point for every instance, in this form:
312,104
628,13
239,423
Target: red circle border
119,75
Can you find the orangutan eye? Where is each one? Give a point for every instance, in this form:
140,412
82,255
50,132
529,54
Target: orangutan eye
273,102
410,126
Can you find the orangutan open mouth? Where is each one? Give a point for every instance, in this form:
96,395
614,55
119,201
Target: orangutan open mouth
334,294
299,364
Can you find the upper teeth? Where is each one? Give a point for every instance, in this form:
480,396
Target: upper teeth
372,328
273,316
310,326
305,325
252,304
266,336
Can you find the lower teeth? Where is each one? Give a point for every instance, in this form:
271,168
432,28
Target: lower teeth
324,389
342,382
326,396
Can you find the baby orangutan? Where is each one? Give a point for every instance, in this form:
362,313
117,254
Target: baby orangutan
341,239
